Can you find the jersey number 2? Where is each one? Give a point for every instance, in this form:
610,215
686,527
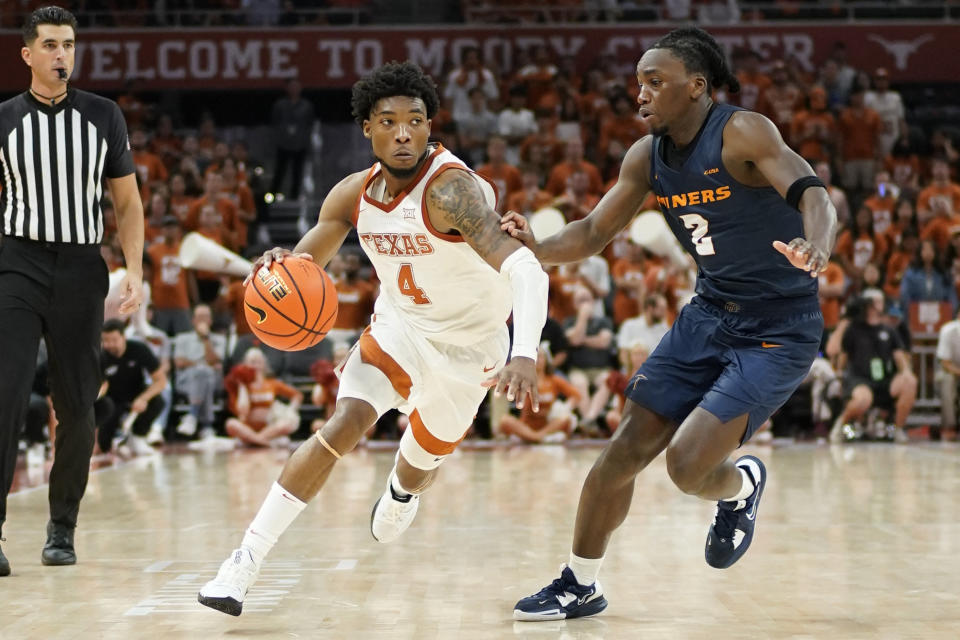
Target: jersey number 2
701,240
408,286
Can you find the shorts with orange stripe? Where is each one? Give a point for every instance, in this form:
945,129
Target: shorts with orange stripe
438,385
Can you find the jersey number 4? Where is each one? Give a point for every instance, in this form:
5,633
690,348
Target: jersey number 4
699,226
408,286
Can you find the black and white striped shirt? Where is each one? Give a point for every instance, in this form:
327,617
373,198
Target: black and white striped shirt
52,163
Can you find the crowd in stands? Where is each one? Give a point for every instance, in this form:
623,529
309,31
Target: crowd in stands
550,137
292,13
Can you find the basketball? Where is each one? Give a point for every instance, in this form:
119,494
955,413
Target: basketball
291,305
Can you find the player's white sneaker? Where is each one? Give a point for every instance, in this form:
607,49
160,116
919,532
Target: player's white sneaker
392,515
226,592
139,446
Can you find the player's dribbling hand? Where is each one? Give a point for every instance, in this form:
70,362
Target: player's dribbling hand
517,226
518,380
276,254
803,255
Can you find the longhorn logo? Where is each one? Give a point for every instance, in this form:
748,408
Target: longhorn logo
901,50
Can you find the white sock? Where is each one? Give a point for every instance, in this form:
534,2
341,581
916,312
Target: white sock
278,511
585,570
395,483
746,489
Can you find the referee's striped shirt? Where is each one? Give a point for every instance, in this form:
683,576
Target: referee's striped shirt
53,160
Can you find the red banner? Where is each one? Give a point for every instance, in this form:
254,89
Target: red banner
336,57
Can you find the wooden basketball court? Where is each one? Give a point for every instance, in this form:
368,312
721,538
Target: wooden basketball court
856,541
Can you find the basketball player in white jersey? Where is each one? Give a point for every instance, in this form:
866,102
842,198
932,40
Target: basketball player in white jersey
449,280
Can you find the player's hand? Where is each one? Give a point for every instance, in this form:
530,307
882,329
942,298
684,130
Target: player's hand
139,405
518,227
131,288
518,380
277,254
803,255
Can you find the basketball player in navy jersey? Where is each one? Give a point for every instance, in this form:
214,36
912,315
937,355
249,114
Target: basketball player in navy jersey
760,227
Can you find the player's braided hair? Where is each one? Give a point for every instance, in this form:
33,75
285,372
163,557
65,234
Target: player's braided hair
700,53
393,79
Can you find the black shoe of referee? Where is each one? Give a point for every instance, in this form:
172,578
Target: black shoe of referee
4,564
59,548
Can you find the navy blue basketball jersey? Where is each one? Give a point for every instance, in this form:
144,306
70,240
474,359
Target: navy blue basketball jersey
728,227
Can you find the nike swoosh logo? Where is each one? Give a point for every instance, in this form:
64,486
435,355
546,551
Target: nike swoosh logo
753,511
489,369
566,598
261,314
770,345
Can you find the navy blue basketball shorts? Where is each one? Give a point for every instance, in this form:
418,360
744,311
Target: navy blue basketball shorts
728,363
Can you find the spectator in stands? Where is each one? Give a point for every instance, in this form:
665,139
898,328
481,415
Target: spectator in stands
837,195
515,123
628,275
926,279
530,197
948,376
502,174
538,75
554,422
211,226
355,297
859,245
591,337
213,195
622,126
904,218
474,127
779,101
579,198
889,106
814,130
326,385
899,261
125,364
541,148
180,200
832,288
573,161
883,201
156,210
259,418
860,128
151,171
197,356
292,118
747,61
877,370
938,205
646,329
943,146
238,193
845,73
165,142
469,75
172,287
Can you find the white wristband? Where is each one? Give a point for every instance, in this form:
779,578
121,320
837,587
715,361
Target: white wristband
530,285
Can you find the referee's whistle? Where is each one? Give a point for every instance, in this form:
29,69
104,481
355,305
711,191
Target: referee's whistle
62,73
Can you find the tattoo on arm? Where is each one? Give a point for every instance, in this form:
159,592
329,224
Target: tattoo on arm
458,198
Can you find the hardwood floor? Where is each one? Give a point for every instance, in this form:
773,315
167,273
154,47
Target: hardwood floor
852,542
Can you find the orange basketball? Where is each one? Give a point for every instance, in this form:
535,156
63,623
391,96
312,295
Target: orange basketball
292,305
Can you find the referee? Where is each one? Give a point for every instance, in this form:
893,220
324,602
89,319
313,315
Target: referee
57,144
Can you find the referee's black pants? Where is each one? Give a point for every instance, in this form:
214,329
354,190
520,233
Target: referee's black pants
54,291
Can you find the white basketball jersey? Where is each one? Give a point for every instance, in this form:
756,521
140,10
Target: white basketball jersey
434,281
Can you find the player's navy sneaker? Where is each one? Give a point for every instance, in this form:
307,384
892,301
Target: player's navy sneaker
731,533
562,598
